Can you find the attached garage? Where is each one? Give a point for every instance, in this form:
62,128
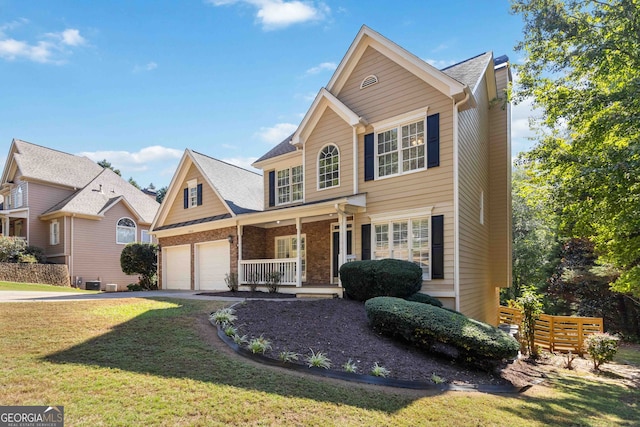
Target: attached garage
213,262
176,267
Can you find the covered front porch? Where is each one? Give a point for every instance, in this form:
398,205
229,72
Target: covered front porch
300,247
13,223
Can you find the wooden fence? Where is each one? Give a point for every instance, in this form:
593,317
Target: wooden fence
556,333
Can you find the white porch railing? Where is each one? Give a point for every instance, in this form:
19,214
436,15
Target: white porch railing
258,270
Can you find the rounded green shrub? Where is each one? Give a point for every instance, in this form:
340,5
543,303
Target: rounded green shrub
386,277
424,299
436,330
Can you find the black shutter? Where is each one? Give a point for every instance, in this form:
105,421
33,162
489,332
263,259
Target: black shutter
366,241
433,140
437,247
199,202
272,188
369,158
186,198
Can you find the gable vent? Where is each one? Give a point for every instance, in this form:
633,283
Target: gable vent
368,81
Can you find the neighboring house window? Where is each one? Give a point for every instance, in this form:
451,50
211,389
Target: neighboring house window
329,167
145,237
406,239
17,198
54,232
125,231
401,149
289,185
287,247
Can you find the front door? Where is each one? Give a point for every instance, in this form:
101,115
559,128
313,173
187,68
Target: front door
336,249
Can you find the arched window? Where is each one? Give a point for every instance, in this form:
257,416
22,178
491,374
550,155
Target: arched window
125,231
329,167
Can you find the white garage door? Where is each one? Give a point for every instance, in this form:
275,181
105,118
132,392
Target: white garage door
212,263
177,267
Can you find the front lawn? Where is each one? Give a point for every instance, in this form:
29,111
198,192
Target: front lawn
15,286
155,362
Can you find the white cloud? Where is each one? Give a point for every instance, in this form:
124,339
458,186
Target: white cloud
150,66
521,134
243,162
276,133
135,161
52,50
324,66
72,37
277,14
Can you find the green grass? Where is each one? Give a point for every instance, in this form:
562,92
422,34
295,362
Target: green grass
153,362
628,354
14,286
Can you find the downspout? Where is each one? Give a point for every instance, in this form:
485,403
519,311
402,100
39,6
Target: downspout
456,202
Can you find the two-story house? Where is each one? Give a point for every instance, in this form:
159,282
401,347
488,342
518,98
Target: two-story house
394,159
81,214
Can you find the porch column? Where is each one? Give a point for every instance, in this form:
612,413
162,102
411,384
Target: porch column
342,234
299,252
239,244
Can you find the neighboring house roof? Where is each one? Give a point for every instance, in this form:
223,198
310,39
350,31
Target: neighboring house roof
240,189
104,192
469,71
44,164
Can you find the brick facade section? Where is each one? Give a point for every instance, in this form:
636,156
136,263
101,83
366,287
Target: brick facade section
259,243
200,237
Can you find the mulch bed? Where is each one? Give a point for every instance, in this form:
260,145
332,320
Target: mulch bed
339,328
249,294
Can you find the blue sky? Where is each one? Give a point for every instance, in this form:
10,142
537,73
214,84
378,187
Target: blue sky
137,82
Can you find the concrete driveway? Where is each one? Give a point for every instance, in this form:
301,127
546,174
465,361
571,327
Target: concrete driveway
31,296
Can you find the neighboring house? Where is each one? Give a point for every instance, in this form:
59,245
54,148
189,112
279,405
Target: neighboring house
81,214
395,158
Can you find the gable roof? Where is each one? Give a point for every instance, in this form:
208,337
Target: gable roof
45,164
102,193
240,189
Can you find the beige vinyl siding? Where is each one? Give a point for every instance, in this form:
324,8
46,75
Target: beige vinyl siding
477,295
397,91
500,185
41,198
211,203
59,248
289,160
330,129
96,255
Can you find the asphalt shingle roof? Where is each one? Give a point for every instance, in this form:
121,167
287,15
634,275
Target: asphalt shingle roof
102,192
469,71
44,164
242,190
282,148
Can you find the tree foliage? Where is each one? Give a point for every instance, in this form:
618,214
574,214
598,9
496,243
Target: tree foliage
140,258
534,234
106,164
162,191
583,72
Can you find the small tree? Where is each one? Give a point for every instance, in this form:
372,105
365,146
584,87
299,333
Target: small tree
11,248
140,258
531,307
601,347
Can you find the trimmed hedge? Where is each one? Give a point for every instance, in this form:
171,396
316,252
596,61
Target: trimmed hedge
424,299
441,331
385,277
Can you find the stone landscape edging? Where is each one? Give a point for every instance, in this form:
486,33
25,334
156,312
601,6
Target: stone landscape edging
367,379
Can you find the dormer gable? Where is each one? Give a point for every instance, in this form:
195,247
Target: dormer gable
325,100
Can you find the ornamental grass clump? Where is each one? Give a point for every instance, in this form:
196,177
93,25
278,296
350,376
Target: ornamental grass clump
318,360
379,371
601,347
224,316
288,356
350,366
259,345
